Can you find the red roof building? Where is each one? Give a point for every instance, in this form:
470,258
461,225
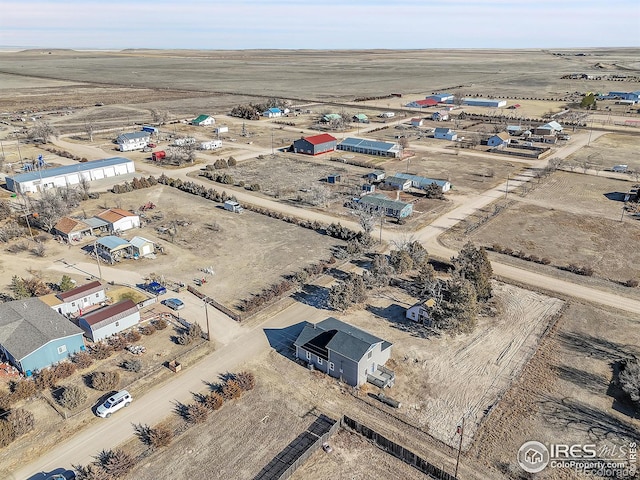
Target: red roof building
315,145
427,102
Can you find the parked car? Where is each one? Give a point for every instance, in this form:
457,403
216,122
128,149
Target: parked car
326,447
156,288
174,303
114,403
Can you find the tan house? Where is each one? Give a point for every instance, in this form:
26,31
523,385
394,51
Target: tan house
71,230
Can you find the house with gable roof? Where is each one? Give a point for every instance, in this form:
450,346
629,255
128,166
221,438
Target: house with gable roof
33,336
344,352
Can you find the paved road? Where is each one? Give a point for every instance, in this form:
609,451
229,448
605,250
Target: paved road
249,343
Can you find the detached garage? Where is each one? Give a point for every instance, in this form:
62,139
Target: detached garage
109,320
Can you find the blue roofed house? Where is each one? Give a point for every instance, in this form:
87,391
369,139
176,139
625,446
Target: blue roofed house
345,352
272,113
33,336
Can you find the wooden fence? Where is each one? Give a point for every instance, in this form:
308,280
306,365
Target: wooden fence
227,311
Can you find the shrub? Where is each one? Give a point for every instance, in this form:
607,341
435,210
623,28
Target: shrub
160,436
46,378
105,380
23,389
6,433
231,390
194,331
21,420
213,401
246,380
632,283
545,261
231,162
6,399
147,329
82,359
101,351
132,365
160,324
117,342
64,370
72,397
133,336
116,463
197,413
183,339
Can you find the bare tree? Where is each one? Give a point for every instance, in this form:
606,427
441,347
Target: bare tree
159,116
366,214
88,129
84,185
50,208
42,131
319,195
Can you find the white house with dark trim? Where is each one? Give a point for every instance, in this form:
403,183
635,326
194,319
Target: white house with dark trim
420,312
344,352
77,299
106,321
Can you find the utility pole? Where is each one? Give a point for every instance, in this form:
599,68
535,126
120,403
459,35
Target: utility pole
461,432
206,314
506,190
95,251
272,151
381,218
622,216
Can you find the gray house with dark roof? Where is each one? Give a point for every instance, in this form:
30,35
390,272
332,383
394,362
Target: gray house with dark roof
345,352
33,336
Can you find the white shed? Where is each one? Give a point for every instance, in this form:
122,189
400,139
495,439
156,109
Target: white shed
142,246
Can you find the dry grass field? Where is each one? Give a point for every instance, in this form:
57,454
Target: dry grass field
607,151
564,394
568,218
441,379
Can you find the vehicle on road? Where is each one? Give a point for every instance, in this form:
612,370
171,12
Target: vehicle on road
114,403
173,303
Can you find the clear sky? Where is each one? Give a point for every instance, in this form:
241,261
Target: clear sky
319,24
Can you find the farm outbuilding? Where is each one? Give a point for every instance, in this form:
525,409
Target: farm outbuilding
420,312
112,247
417,122
445,134
334,178
109,320
440,97
71,230
426,103
391,208
360,118
128,142
369,147
440,116
481,102
69,175
119,220
211,145
315,145
203,121
343,351
221,129
33,336
141,246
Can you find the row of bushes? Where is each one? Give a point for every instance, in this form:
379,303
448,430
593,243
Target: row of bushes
221,163
586,271
277,290
64,153
135,184
115,464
